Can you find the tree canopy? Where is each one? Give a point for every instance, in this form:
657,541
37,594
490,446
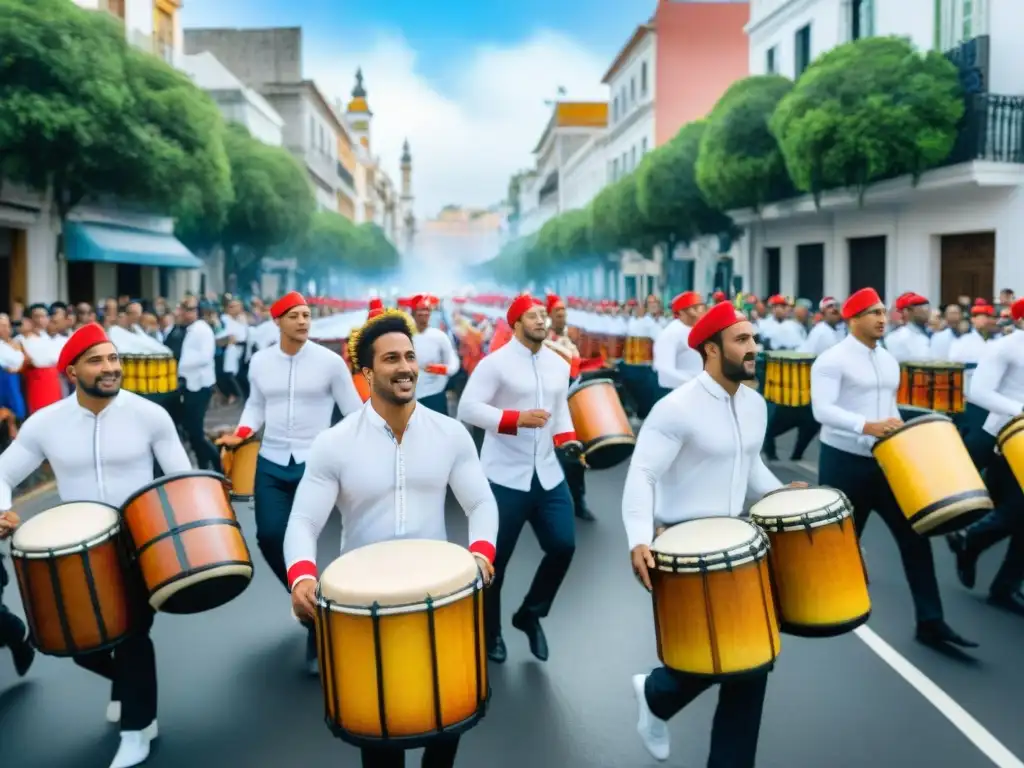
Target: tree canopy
334,245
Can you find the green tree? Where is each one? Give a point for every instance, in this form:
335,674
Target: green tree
374,253
334,245
574,235
740,164
868,110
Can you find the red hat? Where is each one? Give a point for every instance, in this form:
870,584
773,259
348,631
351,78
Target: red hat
719,296
286,304
81,341
553,303
419,301
778,300
718,318
827,303
520,306
982,307
910,300
686,300
861,301
1017,310
376,307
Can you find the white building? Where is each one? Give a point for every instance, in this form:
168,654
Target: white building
958,231
154,25
630,81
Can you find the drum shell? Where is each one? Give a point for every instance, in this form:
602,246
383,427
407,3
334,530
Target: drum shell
149,374
96,620
616,347
239,464
184,536
415,672
1011,445
639,350
788,380
601,423
931,474
935,387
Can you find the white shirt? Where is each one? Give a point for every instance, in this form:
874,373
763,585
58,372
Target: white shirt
998,382
852,384
198,350
674,361
389,490
233,353
941,343
433,347
293,397
701,450
909,343
507,381
104,458
968,348
42,350
11,358
822,336
788,334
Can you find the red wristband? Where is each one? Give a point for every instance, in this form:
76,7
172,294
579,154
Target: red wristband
243,432
484,548
564,437
574,368
300,569
509,424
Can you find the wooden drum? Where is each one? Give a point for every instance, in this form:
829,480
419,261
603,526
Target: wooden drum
184,536
239,465
713,610
149,374
818,575
936,386
788,378
601,423
932,476
75,586
1010,442
639,350
401,643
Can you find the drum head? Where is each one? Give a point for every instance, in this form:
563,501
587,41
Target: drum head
799,507
400,572
790,354
64,527
695,538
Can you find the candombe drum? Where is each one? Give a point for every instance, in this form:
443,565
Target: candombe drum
932,476
601,423
937,386
814,558
239,465
714,614
1010,443
401,643
147,366
639,350
187,543
788,378
78,593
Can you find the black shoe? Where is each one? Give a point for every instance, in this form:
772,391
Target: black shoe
1012,602
24,654
938,634
966,561
771,456
584,514
496,650
530,626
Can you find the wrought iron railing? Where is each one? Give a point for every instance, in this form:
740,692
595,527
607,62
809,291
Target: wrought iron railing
992,128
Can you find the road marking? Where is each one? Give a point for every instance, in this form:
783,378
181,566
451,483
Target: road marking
961,719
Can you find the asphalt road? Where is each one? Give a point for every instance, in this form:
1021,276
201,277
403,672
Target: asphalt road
233,692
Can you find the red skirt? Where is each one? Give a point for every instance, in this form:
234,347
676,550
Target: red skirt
42,388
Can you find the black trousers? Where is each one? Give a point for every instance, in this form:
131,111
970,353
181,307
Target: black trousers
438,402
575,479
439,754
863,482
131,669
737,723
12,629
781,419
193,417
274,492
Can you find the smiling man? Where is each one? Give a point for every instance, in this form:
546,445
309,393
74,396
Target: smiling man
101,443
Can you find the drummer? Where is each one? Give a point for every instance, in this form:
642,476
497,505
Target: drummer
686,464
853,394
998,387
674,361
518,395
293,389
912,340
352,466
436,354
100,443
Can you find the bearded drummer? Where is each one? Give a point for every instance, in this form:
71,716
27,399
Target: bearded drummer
853,397
687,452
293,389
675,361
387,469
100,443
518,396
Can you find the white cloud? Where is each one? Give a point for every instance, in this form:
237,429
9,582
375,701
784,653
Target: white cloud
470,137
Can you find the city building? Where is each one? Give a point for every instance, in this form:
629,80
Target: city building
154,25
457,238
956,231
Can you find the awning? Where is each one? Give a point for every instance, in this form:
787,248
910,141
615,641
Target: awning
120,245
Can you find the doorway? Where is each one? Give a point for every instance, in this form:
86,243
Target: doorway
810,272
129,281
772,270
968,266
82,282
867,263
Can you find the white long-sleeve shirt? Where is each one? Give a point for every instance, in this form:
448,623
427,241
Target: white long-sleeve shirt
852,384
787,334
822,336
909,343
198,349
104,458
941,343
998,382
698,454
968,348
674,361
10,358
293,396
433,347
233,353
388,490
506,382
44,351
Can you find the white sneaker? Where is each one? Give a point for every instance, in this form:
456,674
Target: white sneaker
152,731
114,712
134,749
653,731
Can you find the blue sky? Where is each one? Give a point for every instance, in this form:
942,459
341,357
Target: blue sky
465,82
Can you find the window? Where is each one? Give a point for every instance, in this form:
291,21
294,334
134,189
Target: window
615,169
632,158
802,52
643,79
643,146
615,110
967,20
632,90
769,61
862,19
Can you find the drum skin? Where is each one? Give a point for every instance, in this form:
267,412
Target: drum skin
239,463
601,423
935,386
185,537
716,624
1011,444
67,618
932,476
788,378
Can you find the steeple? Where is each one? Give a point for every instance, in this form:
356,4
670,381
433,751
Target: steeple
359,106
406,155
359,92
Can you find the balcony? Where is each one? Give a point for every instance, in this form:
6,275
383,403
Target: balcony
345,176
992,128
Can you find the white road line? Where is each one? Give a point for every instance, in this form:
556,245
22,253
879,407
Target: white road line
961,719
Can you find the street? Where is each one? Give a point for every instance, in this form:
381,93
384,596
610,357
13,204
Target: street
233,693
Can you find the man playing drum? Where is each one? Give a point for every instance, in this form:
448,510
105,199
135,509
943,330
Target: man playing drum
13,632
293,388
700,447
853,396
100,443
519,396
387,468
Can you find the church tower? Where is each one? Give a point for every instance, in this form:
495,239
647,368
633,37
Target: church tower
358,112
407,220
